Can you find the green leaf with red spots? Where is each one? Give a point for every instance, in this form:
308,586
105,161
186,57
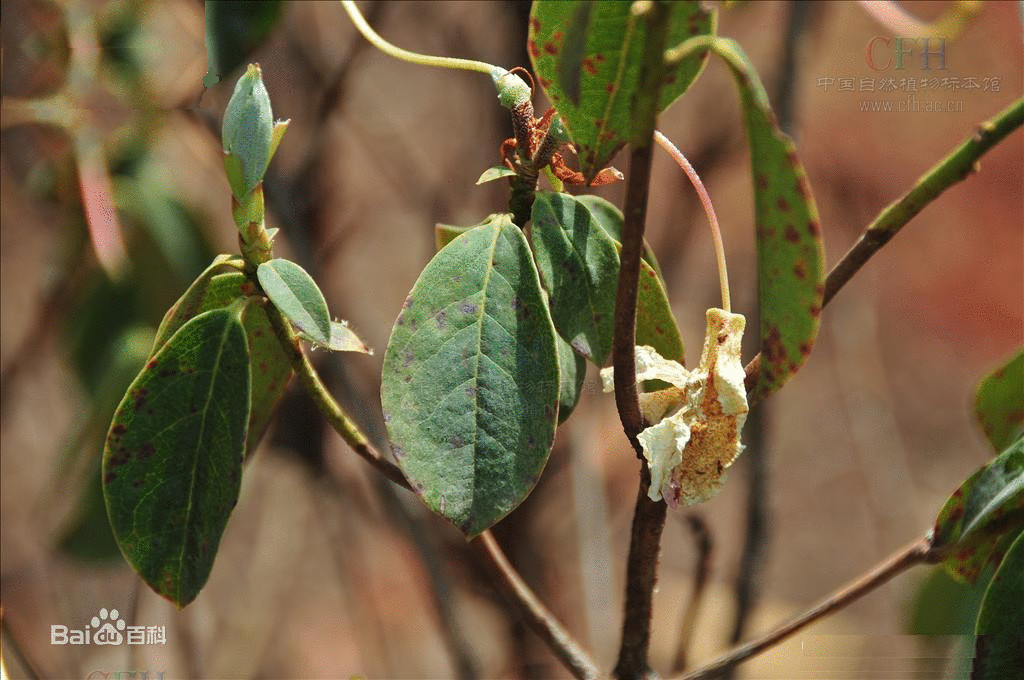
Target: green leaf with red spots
979,520
999,646
219,286
470,383
790,252
999,403
587,58
173,459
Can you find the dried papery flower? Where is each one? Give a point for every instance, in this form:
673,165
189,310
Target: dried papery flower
697,421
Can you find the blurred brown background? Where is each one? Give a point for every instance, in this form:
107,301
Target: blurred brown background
327,571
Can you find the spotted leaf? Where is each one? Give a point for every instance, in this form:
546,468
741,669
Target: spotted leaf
173,458
587,56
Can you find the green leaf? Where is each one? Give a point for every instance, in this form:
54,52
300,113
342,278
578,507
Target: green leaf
999,403
942,605
87,535
496,172
572,369
580,268
343,339
790,253
587,58
655,324
986,506
579,262
269,365
470,383
297,296
194,300
610,218
999,651
173,459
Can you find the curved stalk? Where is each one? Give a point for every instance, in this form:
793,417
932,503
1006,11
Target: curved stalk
405,55
709,210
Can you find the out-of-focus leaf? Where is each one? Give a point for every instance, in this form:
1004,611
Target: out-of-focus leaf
999,403
587,58
470,382
234,28
999,651
297,296
173,459
103,312
942,605
87,535
983,515
89,538
446,233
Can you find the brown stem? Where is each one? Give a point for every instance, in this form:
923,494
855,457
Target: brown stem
537,615
648,516
949,171
916,553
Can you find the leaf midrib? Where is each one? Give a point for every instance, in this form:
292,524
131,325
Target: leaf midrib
195,458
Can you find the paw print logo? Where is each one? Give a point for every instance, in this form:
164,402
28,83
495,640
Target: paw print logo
109,628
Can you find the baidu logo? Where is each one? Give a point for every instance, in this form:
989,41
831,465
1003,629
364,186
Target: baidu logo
107,628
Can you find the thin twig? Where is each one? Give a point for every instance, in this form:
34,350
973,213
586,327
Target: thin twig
537,615
540,619
949,171
649,516
337,417
916,553
701,571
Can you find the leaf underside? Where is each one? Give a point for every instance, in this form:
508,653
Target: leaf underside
587,58
173,458
470,380
980,517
